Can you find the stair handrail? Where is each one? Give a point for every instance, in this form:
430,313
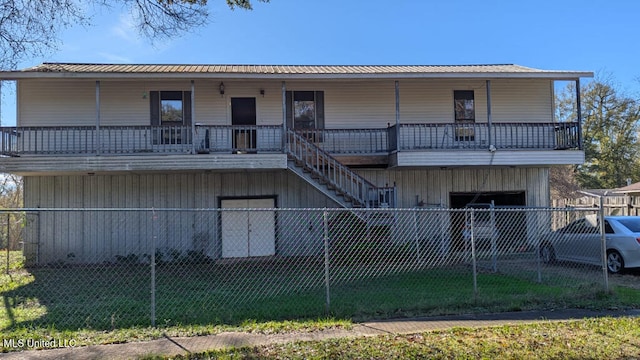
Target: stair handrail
338,175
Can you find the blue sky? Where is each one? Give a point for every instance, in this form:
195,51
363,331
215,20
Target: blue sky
588,35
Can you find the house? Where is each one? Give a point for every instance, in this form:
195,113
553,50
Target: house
266,136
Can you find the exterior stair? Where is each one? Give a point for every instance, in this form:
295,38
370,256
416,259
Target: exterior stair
332,178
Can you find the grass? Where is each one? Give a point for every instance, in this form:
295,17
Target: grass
599,338
111,303
16,260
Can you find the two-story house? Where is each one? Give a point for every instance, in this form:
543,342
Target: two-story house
267,136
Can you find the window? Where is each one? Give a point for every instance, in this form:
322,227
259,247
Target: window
304,110
607,228
464,106
631,223
170,113
172,108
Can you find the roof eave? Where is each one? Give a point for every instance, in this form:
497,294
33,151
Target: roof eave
569,75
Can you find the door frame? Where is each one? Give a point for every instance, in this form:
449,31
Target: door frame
238,137
261,197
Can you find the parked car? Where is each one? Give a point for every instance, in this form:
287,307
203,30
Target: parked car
484,224
580,241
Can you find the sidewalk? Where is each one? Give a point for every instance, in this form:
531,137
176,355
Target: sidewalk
174,346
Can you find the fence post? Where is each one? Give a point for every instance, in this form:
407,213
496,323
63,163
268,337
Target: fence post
473,256
154,216
8,239
537,247
325,225
603,245
415,236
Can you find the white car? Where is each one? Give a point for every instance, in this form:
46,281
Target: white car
484,227
580,241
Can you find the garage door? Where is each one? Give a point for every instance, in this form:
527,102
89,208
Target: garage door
248,233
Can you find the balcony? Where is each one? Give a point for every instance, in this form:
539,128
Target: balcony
135,140
479,136
131,147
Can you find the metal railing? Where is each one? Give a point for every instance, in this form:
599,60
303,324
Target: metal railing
237,138
85,140
349,141
337,176
531,136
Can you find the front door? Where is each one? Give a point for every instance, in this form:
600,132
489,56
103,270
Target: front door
243,118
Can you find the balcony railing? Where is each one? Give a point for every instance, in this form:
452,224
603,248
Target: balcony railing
139,140
108,140
349,141
531,136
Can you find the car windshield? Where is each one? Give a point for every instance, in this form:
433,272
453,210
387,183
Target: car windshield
631,224
481,213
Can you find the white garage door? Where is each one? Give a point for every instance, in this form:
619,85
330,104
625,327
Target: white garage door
248,233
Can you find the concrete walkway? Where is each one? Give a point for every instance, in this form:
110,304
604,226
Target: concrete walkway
184,345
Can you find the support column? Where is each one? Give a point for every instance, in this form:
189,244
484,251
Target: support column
193,117
98,145
397,84
284,116
489,138
579,112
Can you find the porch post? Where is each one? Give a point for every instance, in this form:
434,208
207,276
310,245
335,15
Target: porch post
98,117
284,117
579,113
397,115
193,118
489,138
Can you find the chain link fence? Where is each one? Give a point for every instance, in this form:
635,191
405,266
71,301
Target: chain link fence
120,268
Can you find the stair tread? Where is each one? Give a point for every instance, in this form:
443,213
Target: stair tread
310,159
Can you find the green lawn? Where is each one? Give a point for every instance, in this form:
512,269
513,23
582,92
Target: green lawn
604,338
112,303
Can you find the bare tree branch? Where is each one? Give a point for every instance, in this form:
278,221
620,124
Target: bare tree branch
30,28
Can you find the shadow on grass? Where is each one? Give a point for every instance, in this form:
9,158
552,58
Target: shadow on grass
109,297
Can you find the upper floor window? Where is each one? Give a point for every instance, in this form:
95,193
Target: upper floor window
464,106
305,110
170,107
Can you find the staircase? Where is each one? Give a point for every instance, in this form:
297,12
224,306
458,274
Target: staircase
332,178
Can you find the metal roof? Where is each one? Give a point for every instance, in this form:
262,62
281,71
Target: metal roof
58,70
633,188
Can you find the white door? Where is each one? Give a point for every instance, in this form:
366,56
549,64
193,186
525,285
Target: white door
248,233
262,228
235,241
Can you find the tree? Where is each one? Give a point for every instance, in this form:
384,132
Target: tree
609,133
11,224
563,182
30,28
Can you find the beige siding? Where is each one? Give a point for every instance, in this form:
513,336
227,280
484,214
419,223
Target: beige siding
56,103
521,101
73,102
433,186
89,236
348,104
432,102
